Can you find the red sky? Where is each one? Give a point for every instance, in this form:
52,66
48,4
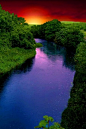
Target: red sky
40,11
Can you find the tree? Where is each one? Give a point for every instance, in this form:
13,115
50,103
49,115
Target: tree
42,124
69,38
56,125
48,119
14,31
51,28
21,20
21,37
45,123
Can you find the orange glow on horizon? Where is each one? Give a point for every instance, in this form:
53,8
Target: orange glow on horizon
40,15
37,20
34,20
35,15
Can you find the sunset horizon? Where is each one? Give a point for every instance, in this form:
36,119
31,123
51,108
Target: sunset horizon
39,12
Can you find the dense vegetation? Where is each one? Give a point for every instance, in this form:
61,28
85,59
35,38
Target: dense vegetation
46,30
62,34
69,37
13,57
74,116
16,41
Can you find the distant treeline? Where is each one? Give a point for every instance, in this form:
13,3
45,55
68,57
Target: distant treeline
68,35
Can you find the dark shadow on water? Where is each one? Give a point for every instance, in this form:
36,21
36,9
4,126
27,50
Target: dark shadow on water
53,51
26,66
69,60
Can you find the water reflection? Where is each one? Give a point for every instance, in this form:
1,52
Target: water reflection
53,52
26,66
2,81
69,60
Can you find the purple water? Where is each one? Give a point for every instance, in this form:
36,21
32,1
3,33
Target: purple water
38,89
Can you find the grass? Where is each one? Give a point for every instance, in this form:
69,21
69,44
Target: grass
69,22
13,57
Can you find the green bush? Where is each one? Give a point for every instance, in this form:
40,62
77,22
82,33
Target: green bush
22,38
38,45
51,28
69,38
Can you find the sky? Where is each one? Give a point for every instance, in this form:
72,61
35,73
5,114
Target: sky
41,11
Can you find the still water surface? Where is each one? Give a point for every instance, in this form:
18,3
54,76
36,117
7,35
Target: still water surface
41,86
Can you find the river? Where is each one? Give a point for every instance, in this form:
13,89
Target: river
41,86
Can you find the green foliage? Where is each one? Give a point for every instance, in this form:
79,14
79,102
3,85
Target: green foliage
14,33
69,22
46,30
56,125
42,124
12,57
45,123
80,58
68,35
21,20
38,45
7,21
74,116
34,31
84,33
22,38
69,38
48,118
13,29
52,27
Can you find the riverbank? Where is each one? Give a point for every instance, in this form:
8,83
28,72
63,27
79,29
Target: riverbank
73,117
13,57
16,42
